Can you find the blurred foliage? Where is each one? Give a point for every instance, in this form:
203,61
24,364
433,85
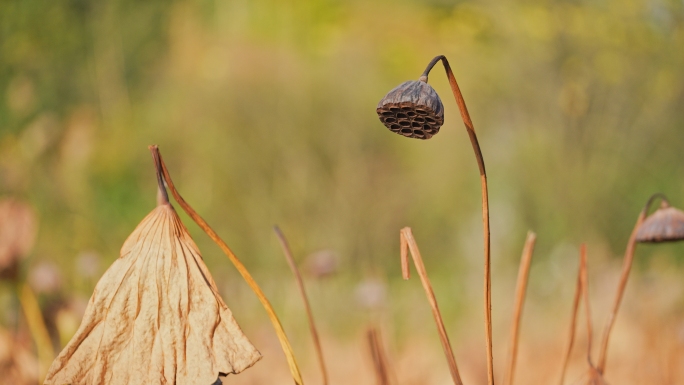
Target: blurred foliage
264,112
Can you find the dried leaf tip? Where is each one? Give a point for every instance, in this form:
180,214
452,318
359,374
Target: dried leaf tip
162,195
666,224
155,316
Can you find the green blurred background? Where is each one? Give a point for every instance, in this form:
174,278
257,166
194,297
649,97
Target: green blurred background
264,111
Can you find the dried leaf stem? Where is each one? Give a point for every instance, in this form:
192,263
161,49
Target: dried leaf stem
378,355
585,293
626,267
408,243
595,377
470,128
282,337
302,291
573,325
521,287
39,332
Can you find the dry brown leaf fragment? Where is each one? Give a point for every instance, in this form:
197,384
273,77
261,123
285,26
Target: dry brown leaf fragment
155,317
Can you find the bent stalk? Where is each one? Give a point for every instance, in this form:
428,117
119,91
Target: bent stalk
521,287
302,291
626,268
280,332
408,243
470,128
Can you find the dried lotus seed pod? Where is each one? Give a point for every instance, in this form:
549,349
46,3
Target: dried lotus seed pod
665,225
412,109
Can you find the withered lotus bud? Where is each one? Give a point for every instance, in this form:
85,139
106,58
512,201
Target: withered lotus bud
665,225
412,109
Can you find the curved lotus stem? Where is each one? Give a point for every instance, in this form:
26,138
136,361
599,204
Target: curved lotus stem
626,267
280,332
573,323
465,116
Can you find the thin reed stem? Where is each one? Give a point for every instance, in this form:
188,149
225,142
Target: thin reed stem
624,276
282,337
521,287
470,128
573,324
408,243
39,332
380,364
302,291
585,293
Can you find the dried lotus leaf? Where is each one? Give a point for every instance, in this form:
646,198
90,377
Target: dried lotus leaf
155,317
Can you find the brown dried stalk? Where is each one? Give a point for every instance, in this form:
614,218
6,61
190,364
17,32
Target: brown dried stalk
39,332
595,377
282,337
302,291
521,287
414,110
573,324
585,292
470,128
626,267
378,355
408,243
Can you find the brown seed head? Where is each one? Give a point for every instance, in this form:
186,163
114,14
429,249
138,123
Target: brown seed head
412,109
665,225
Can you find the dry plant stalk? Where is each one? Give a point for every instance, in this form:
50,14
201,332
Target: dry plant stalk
624,276
408,243
302,291
414,110
585,293
280,332
665,225
573,325
470,128
155,316
521,287
380,364
595,377
39,332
